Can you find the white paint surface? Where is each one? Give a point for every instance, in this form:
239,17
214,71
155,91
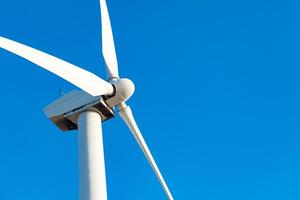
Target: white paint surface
127,116
92,179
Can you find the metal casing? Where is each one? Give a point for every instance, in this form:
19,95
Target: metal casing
64,111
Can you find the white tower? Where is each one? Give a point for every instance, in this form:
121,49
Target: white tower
79,110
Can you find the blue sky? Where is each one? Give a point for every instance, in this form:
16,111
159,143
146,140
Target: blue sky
217,98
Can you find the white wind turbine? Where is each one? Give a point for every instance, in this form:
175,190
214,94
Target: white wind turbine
85,110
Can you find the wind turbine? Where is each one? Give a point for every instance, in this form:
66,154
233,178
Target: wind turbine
85,110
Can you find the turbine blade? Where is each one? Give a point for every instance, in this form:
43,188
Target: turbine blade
108,45
79,77
127,116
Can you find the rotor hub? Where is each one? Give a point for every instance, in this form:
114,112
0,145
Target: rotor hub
124,89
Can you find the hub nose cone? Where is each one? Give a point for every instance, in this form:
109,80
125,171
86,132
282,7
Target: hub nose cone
124,88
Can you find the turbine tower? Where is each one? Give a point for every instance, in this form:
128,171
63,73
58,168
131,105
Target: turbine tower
86,110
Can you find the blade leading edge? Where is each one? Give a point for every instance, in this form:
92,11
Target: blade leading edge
126,114
79,77
108,45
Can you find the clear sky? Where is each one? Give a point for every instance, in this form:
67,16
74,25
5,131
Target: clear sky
217,98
